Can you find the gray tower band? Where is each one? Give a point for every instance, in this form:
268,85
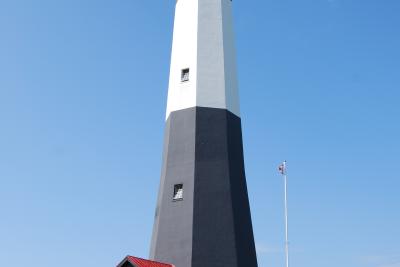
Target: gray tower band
211,225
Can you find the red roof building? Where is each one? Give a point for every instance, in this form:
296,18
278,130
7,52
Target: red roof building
131,261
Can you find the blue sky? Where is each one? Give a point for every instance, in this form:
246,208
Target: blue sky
82,105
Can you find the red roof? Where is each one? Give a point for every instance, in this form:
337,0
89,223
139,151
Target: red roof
138,262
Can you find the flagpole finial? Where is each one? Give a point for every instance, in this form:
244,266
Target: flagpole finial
282,168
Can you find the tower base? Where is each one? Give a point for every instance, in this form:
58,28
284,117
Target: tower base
211,224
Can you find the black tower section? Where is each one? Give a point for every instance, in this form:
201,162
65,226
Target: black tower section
210,226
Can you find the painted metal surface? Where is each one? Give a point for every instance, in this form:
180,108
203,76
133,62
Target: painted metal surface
211,226
203,41
210,223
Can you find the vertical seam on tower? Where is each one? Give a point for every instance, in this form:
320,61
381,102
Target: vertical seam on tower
223,54
195,126
230,182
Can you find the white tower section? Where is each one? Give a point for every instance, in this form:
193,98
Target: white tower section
203,64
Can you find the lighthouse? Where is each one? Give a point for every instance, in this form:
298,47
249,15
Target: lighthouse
202,218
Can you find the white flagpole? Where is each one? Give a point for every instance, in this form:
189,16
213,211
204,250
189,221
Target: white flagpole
286,216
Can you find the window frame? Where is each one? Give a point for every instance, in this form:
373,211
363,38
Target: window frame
177,187
185,75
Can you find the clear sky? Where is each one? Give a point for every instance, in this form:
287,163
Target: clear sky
83,88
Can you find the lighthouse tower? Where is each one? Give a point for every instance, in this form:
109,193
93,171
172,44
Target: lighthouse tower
203,216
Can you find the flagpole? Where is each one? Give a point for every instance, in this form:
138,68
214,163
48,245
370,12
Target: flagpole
286,216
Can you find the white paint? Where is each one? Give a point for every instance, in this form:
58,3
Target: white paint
204,42
184,47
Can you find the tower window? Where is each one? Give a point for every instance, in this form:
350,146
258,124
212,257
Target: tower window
185,75
178,192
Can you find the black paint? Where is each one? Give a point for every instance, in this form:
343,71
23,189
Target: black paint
212,225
